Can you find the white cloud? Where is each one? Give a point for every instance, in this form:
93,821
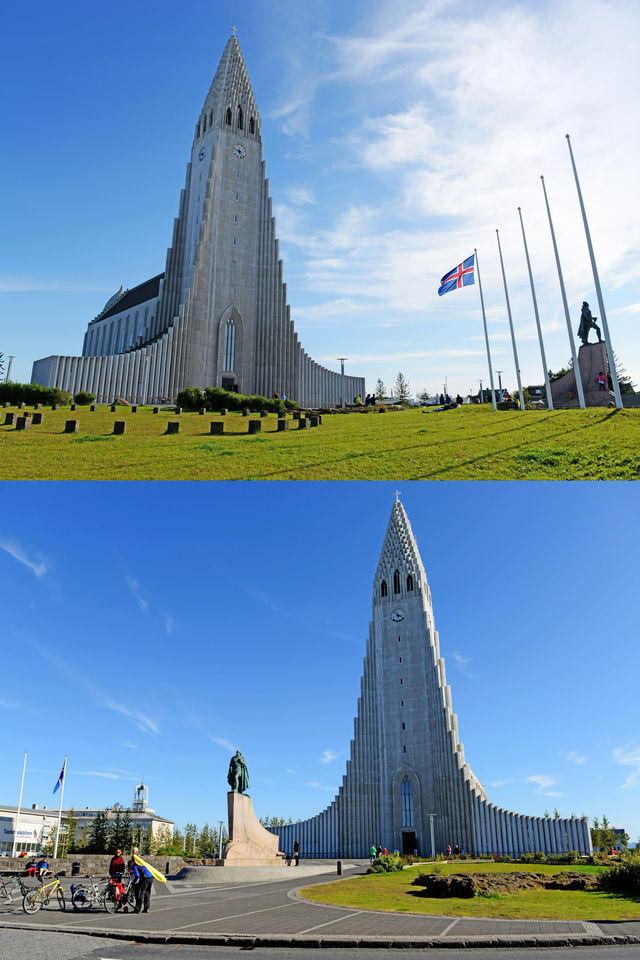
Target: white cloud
168,625
628,756
134,586
318,786
37,566
501,783
543,781
328,756
574,757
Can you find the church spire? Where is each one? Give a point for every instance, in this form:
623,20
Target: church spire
230,99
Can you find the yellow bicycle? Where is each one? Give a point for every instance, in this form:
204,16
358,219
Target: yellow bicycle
33,900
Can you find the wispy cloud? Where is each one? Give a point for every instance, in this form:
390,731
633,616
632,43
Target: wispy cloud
106,774
168,624
574,757
268,602
134,586
128,745
318,786
37,566
462,664
143,723
628,756
221,741
328,756
543,782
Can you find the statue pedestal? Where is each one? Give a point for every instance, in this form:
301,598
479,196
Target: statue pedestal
249,843
592,358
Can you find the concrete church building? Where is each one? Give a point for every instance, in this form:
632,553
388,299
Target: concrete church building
218,315
408,786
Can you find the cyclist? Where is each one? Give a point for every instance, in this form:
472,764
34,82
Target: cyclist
116,868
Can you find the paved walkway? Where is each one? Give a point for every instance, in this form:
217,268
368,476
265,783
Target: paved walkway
270,913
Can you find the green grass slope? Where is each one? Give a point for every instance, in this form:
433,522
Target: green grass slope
470,443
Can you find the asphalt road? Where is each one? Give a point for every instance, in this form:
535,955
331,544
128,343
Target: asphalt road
40,945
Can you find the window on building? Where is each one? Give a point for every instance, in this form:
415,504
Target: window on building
383,588
235,219
404,749
404,726
227,117
409,582
402,703
197,130
211,118
229,344
406,793
237,196
399,659
239,118
204,123
401,681
235,241
234,264
396,582
252,125
237,174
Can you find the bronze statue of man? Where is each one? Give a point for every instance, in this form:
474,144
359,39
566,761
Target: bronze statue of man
587,322
238,776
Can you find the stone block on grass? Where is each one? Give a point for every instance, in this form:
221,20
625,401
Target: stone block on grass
255,426
8,419
314,421
178,410
224,412
134,408
6,404
37,406
303,423
37,418
92,408
54,406
217,427
119,426
202,411
296,414
263,413
23,423
73,407
114,407
155,409
246,412
21,405
282,425
71,426
173,426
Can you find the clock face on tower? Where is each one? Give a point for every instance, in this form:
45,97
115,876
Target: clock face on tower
239,151
397,615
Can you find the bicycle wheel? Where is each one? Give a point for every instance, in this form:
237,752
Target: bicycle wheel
109,901
32,901
80,899
60,897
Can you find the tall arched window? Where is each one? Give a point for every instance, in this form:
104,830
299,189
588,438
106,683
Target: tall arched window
204,123
229,344
396,582
197,130
227,117
252,125
383,588
406,792
409,582
239,118
211,118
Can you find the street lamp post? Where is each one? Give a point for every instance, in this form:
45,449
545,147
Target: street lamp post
342,360
481,394
500,372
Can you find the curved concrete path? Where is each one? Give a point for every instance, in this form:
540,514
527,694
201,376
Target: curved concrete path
271,913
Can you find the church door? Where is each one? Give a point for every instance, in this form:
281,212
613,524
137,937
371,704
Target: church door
409,842
229,383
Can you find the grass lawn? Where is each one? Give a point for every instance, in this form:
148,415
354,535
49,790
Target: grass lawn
393,892
470,443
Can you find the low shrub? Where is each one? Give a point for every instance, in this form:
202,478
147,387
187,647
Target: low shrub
83,398
386,863
32,393
623,877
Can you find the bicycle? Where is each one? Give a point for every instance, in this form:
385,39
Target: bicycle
126,899
33,900
89,894
11,885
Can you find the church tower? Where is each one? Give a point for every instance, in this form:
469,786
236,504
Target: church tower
218,315
407,784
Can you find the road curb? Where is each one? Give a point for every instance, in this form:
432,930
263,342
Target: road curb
535,941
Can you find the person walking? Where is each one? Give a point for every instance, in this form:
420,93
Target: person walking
601,380
372,852
296,852
143,883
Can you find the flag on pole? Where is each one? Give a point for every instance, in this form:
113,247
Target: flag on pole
61,777
460,276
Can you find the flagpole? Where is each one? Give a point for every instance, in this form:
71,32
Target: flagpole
535,310
596,280
15,832
486,335
513,336
64,777
576,367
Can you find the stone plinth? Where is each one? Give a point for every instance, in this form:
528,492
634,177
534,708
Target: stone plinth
249,844
592,358
283,425
37,417
255,426
119,426
217,427
71,426
173,426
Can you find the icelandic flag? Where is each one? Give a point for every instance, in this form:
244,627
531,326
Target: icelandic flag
460,276
60,778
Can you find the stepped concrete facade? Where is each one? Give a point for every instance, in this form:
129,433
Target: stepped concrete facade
407,784
592,358
218,314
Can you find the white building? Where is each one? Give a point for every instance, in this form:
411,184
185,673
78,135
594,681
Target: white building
37,824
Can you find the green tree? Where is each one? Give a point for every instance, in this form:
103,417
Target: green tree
424,396
115,832
127,830
99,834
401,388
191,837
381,390
70,823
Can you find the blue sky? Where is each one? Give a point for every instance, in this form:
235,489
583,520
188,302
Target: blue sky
150,629
398,136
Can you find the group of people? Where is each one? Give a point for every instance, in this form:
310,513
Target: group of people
142,879
369,400
38,868
377,851
296,855
457,851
